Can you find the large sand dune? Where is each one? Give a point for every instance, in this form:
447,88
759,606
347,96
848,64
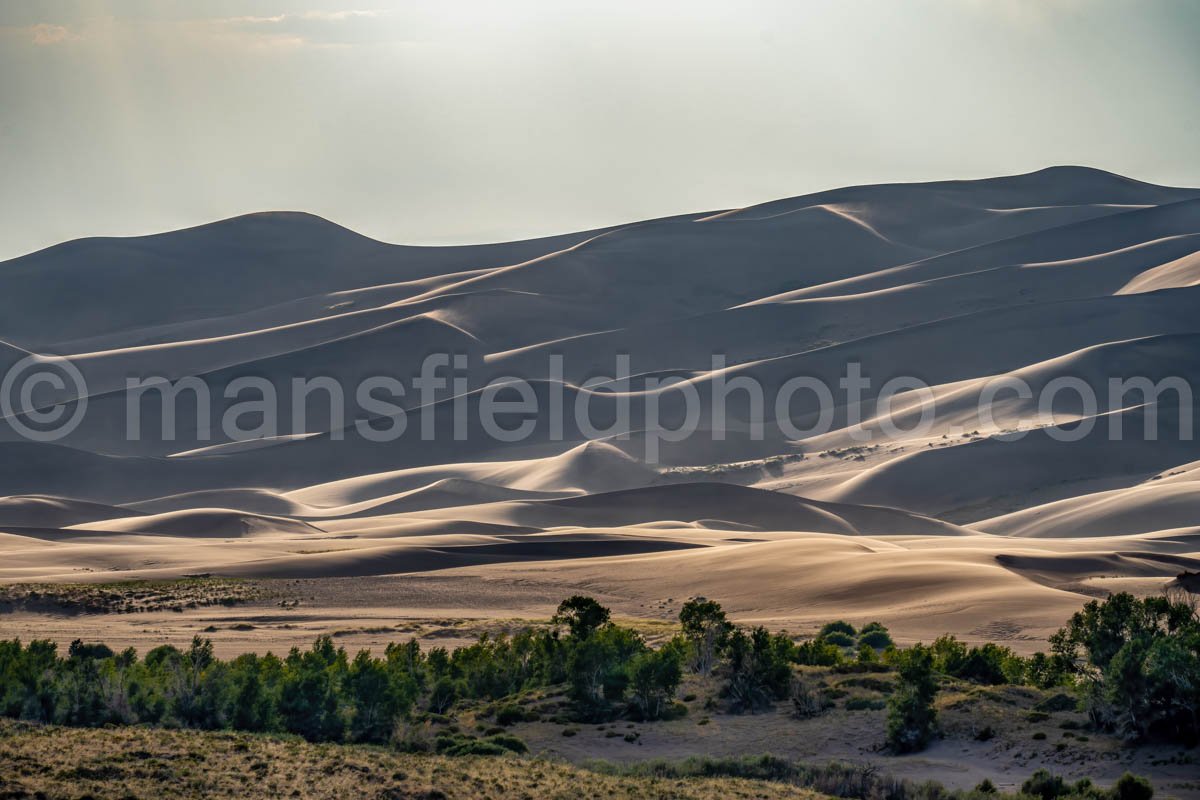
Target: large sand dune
1063,273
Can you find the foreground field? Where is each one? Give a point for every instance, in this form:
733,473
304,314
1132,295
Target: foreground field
52,762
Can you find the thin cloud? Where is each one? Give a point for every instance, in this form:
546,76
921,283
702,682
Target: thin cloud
45,34
327,28
1025,13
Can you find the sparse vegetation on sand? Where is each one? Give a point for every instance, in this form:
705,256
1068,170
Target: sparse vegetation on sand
128,597
861,782
51,762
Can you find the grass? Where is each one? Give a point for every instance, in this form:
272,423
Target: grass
853,781
128,597
51,762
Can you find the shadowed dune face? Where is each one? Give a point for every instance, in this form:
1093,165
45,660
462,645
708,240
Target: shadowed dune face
1063,274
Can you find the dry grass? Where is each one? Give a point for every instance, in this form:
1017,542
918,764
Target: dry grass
51,762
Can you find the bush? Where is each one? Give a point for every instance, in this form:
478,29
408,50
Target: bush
818,653
654,676
911,716
508,742
456,744
1045,671
839,626
807,702
512,714
875,639
1132,787
759,669
1045,785
413,737
990,664
867,654
838,639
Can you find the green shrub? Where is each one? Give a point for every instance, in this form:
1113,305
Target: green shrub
451,744
511,714
654,676
818,653
911,717
839,626
990,664
759,669
1132,787
508,742
1044,785
875,636
838,639
875,639
864,704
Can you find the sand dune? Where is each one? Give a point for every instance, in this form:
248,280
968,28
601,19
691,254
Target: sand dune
200,522
223,268
1143,508
1066,272
1175,274
715,503
55,512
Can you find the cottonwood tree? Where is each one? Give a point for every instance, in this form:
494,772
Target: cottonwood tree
706,631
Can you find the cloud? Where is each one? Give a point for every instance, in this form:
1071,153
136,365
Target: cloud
328,28
1026,13
44,34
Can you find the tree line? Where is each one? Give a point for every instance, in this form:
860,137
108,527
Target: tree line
1134,663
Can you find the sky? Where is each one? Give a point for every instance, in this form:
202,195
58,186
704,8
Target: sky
481,120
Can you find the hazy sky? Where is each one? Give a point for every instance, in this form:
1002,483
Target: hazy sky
436,122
